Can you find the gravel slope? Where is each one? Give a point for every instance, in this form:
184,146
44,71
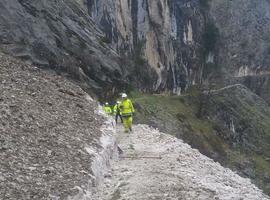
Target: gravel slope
46,123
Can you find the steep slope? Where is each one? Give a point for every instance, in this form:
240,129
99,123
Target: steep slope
230,125
49,134
190,40
162,34
158,166
244,27
258,84
243,121
243,49
150,44
60,35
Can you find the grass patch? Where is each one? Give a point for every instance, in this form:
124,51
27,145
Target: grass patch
178,115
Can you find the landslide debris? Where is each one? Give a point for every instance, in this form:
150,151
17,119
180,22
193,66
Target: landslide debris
46,122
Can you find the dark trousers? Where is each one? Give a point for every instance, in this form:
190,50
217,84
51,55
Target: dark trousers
116,117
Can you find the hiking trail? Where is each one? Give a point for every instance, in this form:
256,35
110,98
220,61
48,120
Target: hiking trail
157,166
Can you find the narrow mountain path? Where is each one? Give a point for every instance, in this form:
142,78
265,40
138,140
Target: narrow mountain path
157,166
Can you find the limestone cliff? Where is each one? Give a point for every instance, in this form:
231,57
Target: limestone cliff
244,45
165,33
190,40
150,44
244,27
60,35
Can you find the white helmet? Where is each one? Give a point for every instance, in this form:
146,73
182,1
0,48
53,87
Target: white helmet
118,102
124,95
106,103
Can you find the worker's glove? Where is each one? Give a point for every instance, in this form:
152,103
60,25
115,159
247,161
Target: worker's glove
133,113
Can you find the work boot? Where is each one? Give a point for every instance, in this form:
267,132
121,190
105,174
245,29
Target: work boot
130,129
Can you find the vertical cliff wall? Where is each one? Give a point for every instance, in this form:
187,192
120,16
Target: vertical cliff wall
244,34
165,33
189,40
161,45
244,42
60,35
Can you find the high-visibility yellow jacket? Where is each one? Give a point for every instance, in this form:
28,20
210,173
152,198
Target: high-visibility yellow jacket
116,108
107,110
126,108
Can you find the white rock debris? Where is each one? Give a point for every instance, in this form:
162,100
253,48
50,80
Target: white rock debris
157,166
101,161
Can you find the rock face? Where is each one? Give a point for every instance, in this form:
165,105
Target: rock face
177,38
243,50
260,85
164,33
150,44
49,134
60,35
244,36
65,36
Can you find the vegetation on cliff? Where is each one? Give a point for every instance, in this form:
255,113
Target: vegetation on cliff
233,127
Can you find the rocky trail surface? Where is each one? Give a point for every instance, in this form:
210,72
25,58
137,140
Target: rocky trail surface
158,166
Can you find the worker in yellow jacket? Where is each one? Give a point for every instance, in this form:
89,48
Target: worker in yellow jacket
107,109
117,112
127,112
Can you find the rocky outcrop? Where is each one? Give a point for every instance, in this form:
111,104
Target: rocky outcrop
244,28
164,33
62,36
150,44
175,39
259,84
52,142
243,50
